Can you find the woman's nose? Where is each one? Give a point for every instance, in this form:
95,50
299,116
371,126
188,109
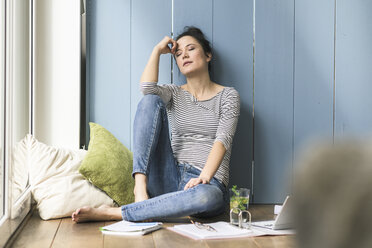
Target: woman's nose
185,55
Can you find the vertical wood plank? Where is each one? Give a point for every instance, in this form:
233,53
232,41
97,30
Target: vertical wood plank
233,66
109,66
353,68
150,22
78,235
314,71
191,13
273,99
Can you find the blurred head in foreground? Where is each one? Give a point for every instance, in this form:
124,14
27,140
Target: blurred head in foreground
333,196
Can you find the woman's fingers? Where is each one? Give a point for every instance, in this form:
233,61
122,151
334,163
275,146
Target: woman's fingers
163,45
195,181
174,46
189,184
172,43
203,181
167,49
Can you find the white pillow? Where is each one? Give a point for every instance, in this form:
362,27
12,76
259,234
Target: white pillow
56,184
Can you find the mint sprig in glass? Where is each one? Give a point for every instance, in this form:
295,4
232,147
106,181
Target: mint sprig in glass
239,199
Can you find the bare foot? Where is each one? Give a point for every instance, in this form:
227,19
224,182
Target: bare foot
101,213
140,194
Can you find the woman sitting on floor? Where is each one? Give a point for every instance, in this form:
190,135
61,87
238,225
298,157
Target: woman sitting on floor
189,173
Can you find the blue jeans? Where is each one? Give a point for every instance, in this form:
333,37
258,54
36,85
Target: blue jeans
153,156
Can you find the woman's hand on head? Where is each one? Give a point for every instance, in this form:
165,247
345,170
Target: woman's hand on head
163,47
195,181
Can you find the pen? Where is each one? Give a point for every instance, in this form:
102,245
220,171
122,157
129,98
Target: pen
203,226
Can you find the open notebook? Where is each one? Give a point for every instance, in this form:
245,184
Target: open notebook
127,228
223,230
282,221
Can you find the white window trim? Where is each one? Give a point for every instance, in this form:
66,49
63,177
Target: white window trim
13,214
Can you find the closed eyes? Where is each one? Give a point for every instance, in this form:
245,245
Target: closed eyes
180,52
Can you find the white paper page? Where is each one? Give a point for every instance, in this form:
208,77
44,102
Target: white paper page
224,230
277,209
267,231
127,226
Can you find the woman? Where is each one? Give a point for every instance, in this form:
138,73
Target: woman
187,174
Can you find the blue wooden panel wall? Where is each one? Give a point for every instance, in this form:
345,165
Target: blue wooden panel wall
151,21
353,68
233,66
310,74
109,66
273,99
191,13
314,72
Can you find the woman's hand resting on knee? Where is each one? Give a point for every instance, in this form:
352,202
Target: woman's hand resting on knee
195,181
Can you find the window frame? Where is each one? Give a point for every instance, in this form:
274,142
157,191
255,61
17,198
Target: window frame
2,106
13,212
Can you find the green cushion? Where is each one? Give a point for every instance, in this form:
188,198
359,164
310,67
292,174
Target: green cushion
108,165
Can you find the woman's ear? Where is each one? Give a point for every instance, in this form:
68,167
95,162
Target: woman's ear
209,57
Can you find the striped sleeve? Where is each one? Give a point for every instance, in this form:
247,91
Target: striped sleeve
153,88
230,111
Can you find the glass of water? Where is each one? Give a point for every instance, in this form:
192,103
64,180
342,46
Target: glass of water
239,201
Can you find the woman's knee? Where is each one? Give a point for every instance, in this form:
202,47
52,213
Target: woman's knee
209,196
149,107
210,201
150,101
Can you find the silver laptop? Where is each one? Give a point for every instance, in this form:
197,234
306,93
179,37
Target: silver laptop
282,221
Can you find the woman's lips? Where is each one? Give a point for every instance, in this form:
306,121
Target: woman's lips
186,63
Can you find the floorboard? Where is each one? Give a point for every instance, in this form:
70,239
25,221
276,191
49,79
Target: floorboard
110,241
275,242
234,243
71,234
65,233
167,238
37,233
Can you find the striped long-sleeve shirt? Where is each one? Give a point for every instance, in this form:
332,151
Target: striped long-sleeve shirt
196,125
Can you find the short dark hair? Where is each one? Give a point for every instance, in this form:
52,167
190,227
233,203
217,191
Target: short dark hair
197,34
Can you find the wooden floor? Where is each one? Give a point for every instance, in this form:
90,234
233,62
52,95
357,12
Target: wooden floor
65,233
